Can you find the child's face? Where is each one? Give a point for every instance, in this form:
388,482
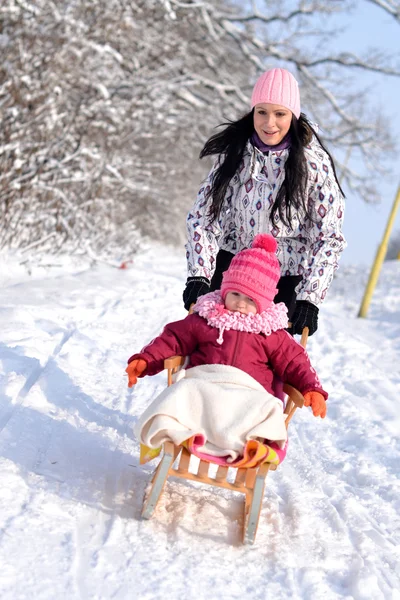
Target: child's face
238,302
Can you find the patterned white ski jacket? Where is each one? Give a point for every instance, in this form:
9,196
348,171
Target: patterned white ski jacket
308,248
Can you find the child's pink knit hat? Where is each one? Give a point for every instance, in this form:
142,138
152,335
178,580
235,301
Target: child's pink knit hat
254,272
277,86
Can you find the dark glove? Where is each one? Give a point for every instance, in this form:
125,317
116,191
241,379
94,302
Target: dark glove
195,287
305,315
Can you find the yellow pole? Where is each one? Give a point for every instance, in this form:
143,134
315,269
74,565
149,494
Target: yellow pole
379,258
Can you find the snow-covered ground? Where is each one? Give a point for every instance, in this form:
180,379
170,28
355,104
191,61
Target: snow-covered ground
71,486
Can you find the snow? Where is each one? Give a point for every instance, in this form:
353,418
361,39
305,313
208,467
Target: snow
71,485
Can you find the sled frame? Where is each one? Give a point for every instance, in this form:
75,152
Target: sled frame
176,462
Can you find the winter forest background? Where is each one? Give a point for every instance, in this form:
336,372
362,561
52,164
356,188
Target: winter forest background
105,105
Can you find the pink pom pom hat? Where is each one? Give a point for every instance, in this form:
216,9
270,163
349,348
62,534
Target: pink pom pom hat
254,272
277,86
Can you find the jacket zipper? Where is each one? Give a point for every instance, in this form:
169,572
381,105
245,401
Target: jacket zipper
237,344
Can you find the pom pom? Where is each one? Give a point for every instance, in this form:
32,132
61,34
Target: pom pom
265,241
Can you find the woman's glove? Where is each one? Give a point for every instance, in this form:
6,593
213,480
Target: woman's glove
305,315
195,287
317,403
134,370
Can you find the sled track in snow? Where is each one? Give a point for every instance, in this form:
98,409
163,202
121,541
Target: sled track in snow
36,374
30,382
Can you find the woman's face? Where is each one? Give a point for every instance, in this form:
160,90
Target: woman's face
271,122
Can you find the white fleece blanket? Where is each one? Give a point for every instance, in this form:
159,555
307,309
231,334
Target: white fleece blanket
222,403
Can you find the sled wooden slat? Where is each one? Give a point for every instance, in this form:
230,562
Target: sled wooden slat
295,400
250,481
184,462
174,362
304,337
208,480
172,365
252,506
159,479
240,477
203,468
250,477
222,473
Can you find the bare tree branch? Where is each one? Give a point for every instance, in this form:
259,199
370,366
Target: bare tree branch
106,107
390,6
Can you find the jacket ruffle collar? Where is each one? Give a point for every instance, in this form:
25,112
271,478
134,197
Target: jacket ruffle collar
211,307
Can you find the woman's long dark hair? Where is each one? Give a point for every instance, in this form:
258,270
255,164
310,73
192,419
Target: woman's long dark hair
230,144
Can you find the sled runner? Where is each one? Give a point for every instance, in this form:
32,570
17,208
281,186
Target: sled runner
176,462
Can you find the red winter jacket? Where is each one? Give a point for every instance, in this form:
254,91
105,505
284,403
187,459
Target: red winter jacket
255,353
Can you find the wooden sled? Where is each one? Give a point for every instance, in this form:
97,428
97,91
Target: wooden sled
251,481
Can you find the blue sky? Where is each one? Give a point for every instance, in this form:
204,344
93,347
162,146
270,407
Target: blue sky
365,223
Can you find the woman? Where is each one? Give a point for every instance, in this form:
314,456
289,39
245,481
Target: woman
272,174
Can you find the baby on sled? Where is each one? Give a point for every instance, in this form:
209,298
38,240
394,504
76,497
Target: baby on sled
237,344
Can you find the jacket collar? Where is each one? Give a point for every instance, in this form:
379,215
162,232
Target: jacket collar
211,307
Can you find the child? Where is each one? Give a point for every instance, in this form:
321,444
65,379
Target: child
235,338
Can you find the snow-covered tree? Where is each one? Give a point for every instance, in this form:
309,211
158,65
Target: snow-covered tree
105,105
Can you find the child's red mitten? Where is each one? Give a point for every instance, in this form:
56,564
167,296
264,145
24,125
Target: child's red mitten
317,403
134,369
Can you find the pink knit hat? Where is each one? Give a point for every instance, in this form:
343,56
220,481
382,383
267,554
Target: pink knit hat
277,86
254,272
